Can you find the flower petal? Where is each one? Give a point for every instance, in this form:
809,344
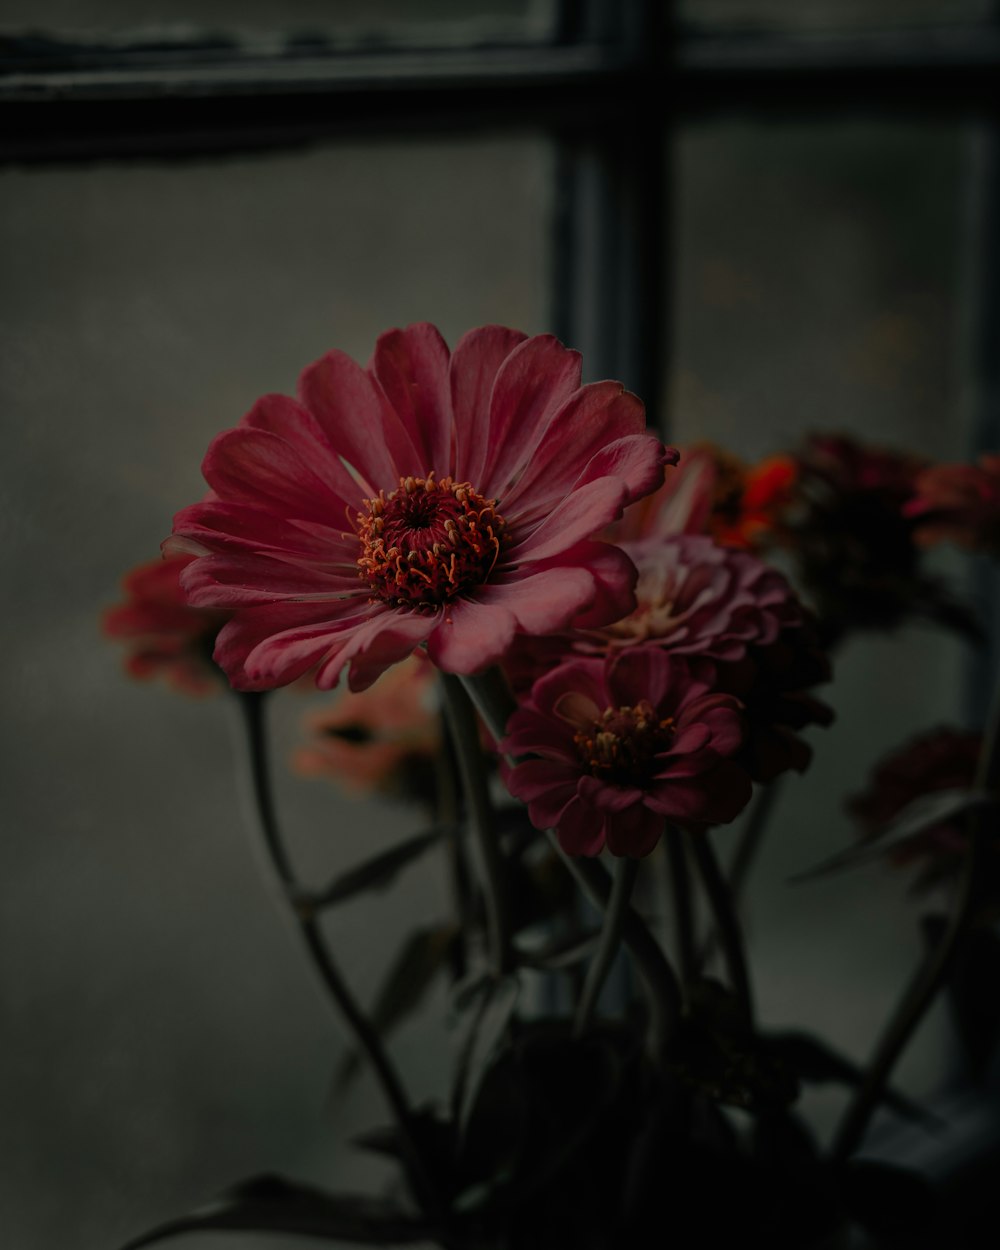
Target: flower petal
475,362
470,636
411,366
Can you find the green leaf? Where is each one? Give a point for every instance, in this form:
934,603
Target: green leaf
561,952
381,870
270,1204
818,1064
916,818
489,1025
407,981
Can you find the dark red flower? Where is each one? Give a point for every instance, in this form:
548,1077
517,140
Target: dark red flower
165,636
940,759
617,747
434,497
959,503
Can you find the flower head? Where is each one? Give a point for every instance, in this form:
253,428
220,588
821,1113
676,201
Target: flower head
380,739
437,497
621,745
715,492
940,759
960,503
164,635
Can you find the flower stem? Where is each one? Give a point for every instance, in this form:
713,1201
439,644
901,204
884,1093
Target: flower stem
622,883
464,733
252,708
492,697
683,904
447,815
726,921
931,976
751,838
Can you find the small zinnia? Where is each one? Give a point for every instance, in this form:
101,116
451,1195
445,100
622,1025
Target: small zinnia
433,497
165,637
960,503
620,746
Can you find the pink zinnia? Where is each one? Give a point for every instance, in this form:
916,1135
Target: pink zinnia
433,497
960,503
165,637
623,745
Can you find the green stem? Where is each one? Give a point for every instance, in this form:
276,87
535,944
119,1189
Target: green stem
447,815
464,732
683,904
252,708
492,697
931,976
726,921
622,884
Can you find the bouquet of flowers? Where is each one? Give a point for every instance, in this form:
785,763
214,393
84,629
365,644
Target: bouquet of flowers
577,649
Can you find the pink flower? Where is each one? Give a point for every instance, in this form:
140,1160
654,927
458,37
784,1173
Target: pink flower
697,598
433,497
380,739
623,745
960,503
165,636
694,597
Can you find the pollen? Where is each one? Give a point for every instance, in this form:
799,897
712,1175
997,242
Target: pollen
622,744
427,542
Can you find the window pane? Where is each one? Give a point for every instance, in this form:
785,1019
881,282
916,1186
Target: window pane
819,285
371,22
163,1032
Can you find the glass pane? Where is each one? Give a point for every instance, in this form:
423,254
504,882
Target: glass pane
163,1031
819,285
831,15
368,22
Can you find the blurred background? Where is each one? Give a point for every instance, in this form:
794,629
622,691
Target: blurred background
766,217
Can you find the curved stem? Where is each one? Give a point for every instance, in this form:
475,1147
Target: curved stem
622,884
252,708
479,807
931,976
447,815
726,921
683,904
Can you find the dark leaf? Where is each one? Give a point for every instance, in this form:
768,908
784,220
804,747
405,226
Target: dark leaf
406,983
973,983
916,818
379,871
269,1204
816,1063
492,1017
716,1054
898,1207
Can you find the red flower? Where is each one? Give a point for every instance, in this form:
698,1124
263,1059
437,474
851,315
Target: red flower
623,745
941,759
715,492
697,598
960,503
432,497
166,637
383,738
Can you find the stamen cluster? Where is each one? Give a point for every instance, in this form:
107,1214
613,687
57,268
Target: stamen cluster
622,745
427,541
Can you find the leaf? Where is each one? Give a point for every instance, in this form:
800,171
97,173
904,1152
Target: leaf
972,990
270,1204
916,818
405,984
818,1064
381,870
561,952
489,1024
